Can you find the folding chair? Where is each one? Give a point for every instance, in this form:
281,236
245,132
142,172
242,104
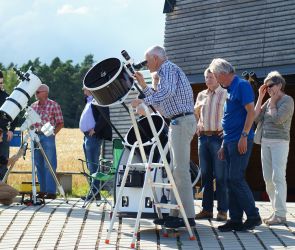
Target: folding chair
103,177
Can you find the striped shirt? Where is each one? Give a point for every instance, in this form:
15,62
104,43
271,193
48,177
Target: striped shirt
209,109
174,95
50,111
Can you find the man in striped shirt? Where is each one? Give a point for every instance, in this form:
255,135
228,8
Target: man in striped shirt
174,97
209,112
49,111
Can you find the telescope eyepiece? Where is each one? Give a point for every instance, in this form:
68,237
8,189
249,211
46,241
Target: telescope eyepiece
125,54
21,75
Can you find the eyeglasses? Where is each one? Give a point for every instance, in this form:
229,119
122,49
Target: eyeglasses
38,92
271,85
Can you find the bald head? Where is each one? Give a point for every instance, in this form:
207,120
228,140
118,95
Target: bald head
42,93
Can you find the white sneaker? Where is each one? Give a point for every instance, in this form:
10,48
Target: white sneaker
276,220
268,218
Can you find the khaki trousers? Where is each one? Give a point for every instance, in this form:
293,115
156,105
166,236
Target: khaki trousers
180,137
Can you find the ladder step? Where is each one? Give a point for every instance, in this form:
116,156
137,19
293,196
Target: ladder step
157,165
143,166
162,185
166,205
138,166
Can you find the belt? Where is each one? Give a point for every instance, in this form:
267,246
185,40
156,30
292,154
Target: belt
210,133
180,115
39,133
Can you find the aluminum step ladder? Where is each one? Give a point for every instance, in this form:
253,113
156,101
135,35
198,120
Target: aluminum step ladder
148,166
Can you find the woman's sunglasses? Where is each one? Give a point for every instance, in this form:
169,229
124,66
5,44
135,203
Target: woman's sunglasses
271,85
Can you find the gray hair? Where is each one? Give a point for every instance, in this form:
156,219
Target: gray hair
157,51
207,71
219,65
43,87
276,78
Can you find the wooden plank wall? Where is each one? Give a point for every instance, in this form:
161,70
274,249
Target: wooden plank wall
254,170
248,33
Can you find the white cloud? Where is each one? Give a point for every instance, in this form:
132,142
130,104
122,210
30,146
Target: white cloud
69,9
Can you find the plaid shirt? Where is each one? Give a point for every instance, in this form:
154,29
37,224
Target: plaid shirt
49,112
209,109
174,95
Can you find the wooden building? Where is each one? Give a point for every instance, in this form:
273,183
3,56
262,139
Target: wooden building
253,35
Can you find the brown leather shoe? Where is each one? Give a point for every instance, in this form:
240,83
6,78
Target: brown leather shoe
221,216
204,215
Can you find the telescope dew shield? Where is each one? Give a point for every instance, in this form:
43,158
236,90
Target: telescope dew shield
20,96
109,82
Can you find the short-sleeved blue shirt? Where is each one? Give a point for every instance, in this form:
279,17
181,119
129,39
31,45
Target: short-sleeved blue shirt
240,93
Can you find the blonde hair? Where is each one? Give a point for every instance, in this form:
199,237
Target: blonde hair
276,78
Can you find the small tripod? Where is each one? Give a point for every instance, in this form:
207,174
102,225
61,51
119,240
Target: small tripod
35,140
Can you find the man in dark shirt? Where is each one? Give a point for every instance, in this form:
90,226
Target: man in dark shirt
7,133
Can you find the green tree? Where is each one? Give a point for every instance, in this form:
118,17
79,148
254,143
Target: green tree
64,79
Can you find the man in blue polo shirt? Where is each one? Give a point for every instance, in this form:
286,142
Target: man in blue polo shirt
237,145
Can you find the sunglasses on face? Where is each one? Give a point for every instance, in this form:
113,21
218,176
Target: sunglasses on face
271,85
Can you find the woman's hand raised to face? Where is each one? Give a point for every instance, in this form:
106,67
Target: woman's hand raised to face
262,90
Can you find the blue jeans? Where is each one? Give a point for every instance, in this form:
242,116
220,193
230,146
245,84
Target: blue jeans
47,183
91,147
4,151
212,167
240,196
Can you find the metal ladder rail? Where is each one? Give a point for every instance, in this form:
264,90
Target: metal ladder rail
120,193
153,185
148,180
129,164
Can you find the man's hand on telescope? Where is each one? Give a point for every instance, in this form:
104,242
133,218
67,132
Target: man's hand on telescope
9,135
140,79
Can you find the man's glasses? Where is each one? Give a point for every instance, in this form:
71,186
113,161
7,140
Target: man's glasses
38,92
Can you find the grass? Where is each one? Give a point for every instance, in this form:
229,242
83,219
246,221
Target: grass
69,150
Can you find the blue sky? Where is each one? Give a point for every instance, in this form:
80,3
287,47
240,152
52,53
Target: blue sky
73,29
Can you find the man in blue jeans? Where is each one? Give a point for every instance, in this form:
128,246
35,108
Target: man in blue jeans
237,145
49,111
209,112
95,129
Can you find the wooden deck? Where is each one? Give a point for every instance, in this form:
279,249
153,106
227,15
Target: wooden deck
60,225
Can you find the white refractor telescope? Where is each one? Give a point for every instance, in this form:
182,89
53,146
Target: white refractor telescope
20,96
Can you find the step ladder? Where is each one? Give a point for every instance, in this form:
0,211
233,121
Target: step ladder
147,165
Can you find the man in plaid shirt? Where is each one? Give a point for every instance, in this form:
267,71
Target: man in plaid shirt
49,111
174,97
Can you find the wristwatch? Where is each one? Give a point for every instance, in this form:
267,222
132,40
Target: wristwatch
244,134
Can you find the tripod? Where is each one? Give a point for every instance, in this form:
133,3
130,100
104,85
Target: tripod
36,140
